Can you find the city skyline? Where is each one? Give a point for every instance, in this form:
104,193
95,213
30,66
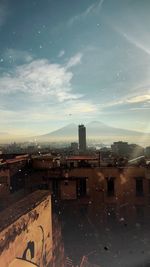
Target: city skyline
63,62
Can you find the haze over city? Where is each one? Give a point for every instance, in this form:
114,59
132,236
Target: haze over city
67,61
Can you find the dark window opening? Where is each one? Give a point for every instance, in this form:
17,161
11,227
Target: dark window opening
110,186
71,164
139,186
55,188
66,182
81,187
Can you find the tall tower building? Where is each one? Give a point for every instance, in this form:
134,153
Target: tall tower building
82,138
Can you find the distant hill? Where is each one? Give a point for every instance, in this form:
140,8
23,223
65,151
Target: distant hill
96,128
96,131
69,130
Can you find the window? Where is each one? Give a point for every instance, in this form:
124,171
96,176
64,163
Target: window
81,187
66,182
139,186
110,186
55,188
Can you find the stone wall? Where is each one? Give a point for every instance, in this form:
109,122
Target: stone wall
26,232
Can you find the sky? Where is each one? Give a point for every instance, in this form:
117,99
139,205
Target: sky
66,61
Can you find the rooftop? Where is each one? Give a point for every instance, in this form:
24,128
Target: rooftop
14,211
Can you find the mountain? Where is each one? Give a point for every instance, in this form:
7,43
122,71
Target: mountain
69,130
95,131
96,128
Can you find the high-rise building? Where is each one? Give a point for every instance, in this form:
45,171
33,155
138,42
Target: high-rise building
82,138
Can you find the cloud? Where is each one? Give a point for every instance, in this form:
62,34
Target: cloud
90,10
39,92
40,78
75,60
61,53
3,12
139,99
129,99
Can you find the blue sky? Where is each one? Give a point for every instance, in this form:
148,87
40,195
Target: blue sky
64,61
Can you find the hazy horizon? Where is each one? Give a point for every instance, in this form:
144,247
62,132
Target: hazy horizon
96,132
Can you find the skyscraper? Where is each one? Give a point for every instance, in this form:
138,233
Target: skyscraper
82,138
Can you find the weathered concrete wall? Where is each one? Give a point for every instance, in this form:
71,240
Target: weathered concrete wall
125,202
44,163
26,232
68,189
124,184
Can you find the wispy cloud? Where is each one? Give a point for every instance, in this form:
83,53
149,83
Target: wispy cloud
140,108
15,56
90,10
139,99
73,61
130,99
131,39
61,53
